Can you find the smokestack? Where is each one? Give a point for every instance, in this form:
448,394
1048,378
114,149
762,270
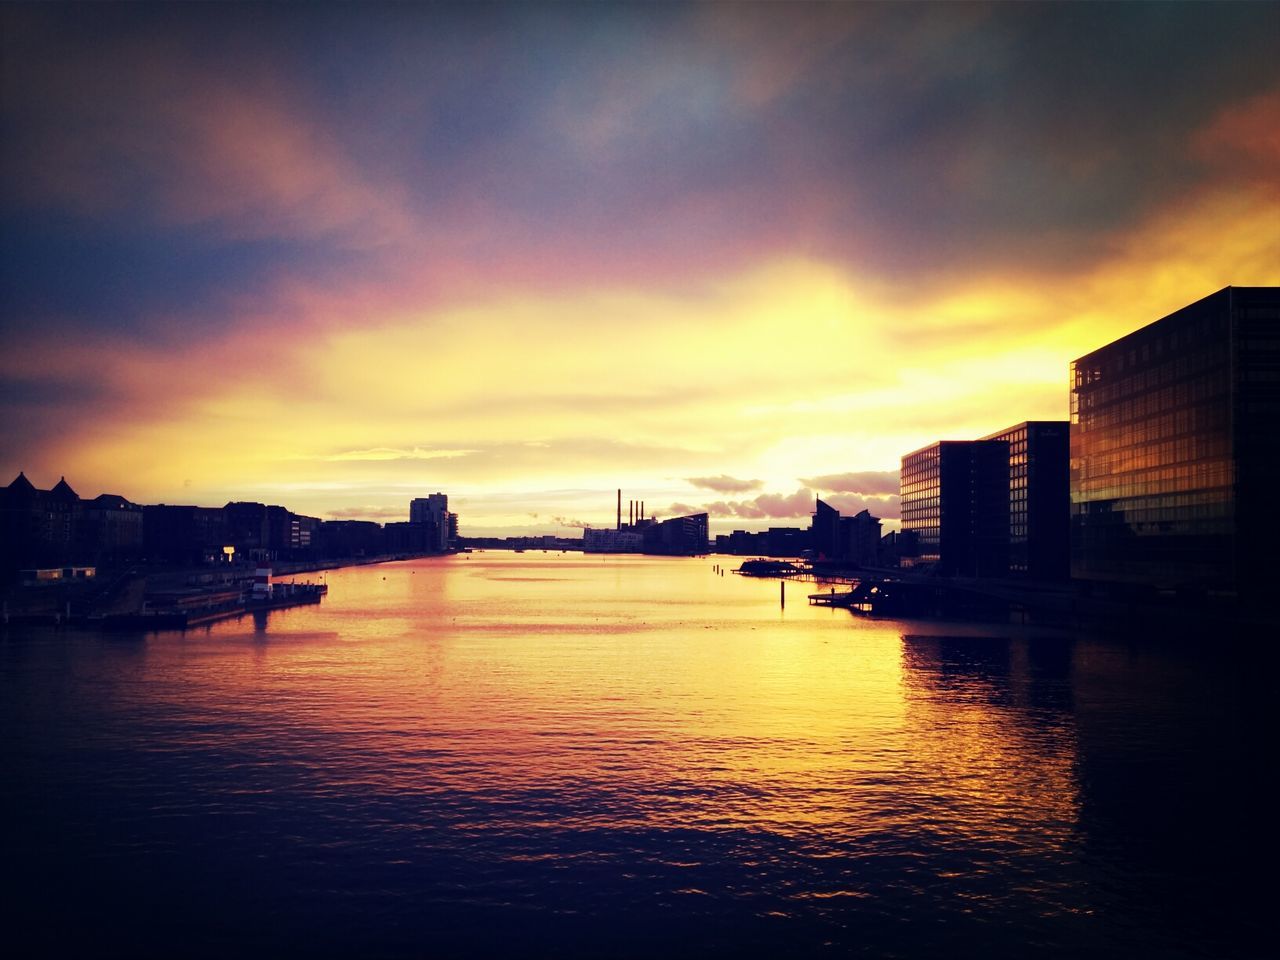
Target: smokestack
641,511
619,524
631,513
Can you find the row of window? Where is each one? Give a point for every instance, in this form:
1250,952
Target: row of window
1088,379
1199,390
1190,477
1202,334
1191,421
1159,401
1169,454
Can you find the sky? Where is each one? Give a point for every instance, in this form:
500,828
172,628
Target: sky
724,257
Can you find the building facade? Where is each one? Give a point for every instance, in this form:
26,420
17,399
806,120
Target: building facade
824,530
1039,498
955,507
1175,449
774,542
860,538
851,540
434,510
679,536
609,540
111,528
38,528
185,534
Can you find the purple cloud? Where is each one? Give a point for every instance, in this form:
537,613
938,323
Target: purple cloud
886,508
876,483
765,506
725,484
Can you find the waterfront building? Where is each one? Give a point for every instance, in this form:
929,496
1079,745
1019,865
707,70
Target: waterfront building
111,527
679,536
1175,449
1039,498
350,538
955,506
895,546
609,540
774,542
860,538
263,532
433,509
407,538
824,530
293,536
786,541
37,527
248,529
854,540
185,534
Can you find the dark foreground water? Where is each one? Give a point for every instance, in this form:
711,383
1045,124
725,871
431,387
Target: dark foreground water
551,755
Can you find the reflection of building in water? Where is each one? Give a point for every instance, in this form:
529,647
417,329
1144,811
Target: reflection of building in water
1175,448
991,730
1170,737
1108,756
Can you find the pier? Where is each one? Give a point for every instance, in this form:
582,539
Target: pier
197,608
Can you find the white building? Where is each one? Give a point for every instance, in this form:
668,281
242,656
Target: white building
612,541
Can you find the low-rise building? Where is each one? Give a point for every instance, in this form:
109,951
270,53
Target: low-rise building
1039,498
955,503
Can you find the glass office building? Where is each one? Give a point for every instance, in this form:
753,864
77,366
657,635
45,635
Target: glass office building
1175,432
955,503
1039,498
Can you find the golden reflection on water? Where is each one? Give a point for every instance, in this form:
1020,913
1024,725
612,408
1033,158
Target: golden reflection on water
641,692
636,756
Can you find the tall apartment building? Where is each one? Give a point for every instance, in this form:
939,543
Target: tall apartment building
433,509
1175,449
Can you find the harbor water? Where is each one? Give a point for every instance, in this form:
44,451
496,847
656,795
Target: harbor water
552,754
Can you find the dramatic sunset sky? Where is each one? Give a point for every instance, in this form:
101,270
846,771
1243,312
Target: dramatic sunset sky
722,256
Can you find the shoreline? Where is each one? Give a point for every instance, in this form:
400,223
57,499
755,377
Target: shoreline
125,590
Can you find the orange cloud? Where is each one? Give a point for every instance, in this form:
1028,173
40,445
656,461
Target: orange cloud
1244,139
